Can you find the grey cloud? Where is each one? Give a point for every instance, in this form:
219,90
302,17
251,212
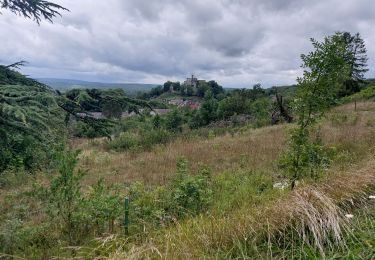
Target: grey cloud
237,42
232,38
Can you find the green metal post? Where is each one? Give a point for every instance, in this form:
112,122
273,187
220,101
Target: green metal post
126,217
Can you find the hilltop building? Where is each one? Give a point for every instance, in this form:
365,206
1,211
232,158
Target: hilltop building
193,82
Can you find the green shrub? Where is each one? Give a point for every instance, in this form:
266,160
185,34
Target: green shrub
103,207
124,141
186,195
189,195
305,157
65,196
174,121
91,130
74,215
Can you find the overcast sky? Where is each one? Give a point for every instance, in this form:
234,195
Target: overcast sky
236,42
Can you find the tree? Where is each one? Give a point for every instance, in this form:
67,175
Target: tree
29,116
173,121
189,91
356,58
326,70
167,86
215,88
234,104
207,113
31,122
34,118
176,86
202,88
356,55
281,110
257,92
112,110
157,91
33,9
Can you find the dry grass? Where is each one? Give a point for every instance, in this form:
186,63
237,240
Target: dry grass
254,149
314,213
347,125
311,212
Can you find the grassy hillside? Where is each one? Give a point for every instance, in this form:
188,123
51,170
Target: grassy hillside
222,191
247,217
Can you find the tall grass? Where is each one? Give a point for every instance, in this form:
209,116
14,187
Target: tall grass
307,223
253,149
240,214
253,220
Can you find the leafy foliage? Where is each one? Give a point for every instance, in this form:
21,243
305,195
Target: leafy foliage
356,58
33,9
207,113
75,214
30,119
65,194
173,121
367,93
186,91
326,70
305,157
34,118
112,101
185,196
103,207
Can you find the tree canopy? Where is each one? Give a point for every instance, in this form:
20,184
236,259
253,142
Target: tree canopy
356,58
326,69
34,117
30,121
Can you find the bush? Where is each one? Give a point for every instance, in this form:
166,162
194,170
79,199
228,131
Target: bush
103,207
173,121
189,195
76,216
305,157
125,141
65,196
185,196
260,110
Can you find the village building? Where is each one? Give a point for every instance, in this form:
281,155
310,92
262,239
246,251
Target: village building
181,103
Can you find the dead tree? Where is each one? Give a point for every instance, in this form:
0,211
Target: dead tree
281,111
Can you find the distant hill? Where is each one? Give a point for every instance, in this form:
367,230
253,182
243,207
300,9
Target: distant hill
65,84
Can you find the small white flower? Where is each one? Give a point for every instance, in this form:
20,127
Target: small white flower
349,215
